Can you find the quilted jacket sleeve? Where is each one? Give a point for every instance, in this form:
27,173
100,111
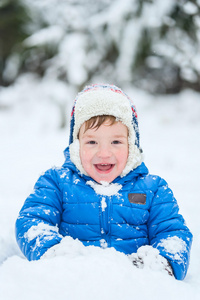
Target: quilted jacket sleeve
168,231
38,221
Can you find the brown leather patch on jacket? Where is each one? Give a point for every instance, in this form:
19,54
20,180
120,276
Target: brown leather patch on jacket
137,198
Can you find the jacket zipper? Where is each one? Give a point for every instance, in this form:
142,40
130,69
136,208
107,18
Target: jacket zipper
105,221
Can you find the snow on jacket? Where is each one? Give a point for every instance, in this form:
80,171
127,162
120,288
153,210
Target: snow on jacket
135,210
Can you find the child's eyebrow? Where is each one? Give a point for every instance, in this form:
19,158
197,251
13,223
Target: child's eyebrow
88,135
119,136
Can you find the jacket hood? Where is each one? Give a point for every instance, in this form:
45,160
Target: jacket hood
105,99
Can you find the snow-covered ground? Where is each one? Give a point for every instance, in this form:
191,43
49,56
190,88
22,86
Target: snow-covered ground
31,142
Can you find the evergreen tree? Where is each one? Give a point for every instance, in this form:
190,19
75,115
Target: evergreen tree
13,18
153,44
167,59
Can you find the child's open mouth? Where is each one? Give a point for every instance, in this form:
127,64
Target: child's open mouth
104,167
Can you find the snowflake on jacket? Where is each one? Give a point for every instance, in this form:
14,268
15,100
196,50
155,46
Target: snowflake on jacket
134,210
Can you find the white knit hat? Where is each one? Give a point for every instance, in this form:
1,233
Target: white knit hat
97,100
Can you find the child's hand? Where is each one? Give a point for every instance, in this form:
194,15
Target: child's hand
149,257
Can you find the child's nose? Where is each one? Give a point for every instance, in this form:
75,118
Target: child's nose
104,152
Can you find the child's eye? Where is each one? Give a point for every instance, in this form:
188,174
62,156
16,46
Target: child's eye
91,142
116,142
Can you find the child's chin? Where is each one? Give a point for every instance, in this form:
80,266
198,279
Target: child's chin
107,178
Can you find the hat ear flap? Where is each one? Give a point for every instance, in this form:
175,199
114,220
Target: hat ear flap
75,156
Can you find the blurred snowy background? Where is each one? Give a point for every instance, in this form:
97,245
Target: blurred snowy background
49,50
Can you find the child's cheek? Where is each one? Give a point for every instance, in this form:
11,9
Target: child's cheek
85,158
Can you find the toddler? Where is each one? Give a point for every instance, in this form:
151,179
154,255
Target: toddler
103,195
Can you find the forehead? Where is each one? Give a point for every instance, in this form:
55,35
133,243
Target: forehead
116,129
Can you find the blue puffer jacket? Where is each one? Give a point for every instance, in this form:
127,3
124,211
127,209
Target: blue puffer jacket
143,212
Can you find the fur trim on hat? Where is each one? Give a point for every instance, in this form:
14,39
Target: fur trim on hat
99,100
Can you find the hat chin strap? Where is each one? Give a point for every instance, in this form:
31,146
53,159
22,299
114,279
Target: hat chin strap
135,157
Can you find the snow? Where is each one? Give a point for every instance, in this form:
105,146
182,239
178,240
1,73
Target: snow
50,35
148,257
190,8
176,246
84,34
105,188
31,142
40,229
103,204
173,244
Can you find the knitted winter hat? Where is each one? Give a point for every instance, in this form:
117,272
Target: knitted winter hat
96,100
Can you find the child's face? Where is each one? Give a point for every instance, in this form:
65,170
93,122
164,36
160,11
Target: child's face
104,151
